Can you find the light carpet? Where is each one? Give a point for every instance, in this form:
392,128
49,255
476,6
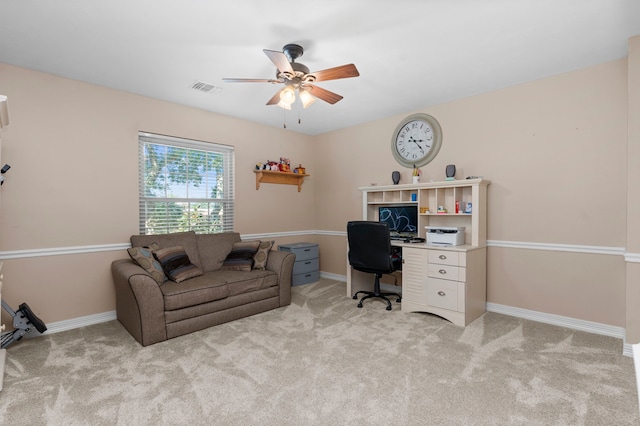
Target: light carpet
323,361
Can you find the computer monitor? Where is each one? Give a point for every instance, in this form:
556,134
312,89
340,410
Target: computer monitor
402,220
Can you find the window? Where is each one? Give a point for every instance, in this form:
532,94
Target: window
185,185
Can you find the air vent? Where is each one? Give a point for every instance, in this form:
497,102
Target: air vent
203,87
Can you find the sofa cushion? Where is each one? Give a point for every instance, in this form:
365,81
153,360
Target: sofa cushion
203,289
176,264
262,255
241,256
224,309
143,256
240,282
214,249
184,239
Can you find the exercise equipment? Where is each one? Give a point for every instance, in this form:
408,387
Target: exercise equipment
24,321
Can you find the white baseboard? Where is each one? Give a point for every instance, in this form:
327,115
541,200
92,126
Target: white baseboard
568,322
335,277
70,324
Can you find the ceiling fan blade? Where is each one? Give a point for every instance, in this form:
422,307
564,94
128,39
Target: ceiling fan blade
279,59
250,80
343,71
323,94
275,99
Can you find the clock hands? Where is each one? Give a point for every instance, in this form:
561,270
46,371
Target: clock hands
417,142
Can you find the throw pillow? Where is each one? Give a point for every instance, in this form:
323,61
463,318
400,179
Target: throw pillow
241,256
261,256
176,264
143,256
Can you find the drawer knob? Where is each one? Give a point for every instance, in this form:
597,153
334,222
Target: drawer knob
442,271
442,293
442,257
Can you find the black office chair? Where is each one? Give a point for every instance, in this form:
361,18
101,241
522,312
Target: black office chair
370,251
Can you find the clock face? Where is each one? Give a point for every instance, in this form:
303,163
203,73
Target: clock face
416,140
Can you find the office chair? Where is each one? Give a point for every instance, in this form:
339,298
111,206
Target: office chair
370,251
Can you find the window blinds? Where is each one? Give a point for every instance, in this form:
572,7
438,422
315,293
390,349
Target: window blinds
185,185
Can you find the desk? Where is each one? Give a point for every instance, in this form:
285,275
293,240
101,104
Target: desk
447,281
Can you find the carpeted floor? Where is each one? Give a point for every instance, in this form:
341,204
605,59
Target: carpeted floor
322,361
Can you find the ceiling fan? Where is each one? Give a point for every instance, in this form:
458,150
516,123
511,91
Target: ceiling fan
296,77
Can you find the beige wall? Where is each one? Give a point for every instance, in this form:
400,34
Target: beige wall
74,178
555,151
633,195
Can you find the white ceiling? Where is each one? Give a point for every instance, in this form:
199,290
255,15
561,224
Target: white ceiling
411,54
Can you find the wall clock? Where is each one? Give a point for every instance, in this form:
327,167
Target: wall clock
416,140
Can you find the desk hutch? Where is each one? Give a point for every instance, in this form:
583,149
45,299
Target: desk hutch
449,281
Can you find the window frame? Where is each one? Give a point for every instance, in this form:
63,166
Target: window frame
186,222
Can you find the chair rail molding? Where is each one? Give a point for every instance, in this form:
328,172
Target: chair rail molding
573,248
632,257
57,251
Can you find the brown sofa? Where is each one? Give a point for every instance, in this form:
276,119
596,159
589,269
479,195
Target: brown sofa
153,312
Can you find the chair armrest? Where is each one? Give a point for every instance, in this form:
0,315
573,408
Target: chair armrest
281,262
139,302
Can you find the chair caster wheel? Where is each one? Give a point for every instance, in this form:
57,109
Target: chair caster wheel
355,297
388,308
359,305
398,300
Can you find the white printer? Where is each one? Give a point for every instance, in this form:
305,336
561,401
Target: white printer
445,235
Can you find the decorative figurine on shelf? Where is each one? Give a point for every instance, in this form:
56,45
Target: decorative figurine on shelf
284,165
281,166
300,169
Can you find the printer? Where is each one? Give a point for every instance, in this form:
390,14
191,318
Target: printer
445,235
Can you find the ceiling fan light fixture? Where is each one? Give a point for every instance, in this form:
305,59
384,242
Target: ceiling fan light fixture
306,98
284,105
288,95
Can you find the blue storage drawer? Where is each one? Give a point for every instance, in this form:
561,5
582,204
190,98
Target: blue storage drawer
306,268
302,251
308,278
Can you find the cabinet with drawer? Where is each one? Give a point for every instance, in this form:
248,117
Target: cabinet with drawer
447,282
306,268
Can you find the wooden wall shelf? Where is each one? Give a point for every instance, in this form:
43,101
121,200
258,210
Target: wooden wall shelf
283,178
